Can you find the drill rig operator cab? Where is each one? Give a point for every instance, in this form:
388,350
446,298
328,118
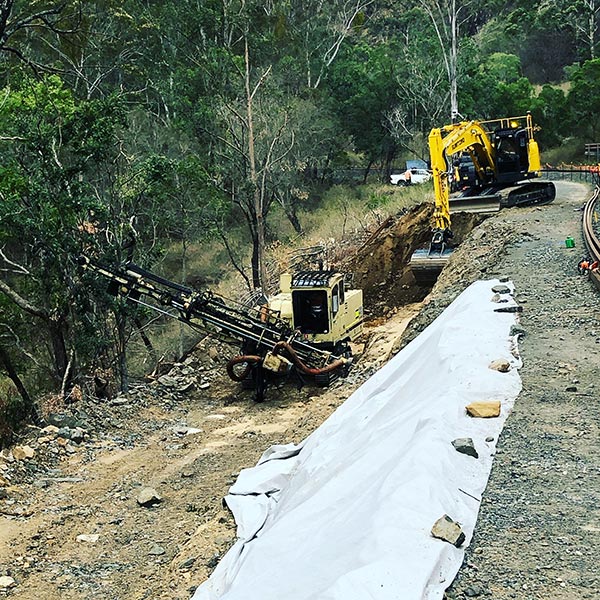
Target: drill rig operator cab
319,306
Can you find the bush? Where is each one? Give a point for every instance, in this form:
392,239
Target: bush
569,152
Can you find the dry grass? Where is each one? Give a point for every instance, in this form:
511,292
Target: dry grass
345,216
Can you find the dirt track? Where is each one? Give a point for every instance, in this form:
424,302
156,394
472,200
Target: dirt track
538,534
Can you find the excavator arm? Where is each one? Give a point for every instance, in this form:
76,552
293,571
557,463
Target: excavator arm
446,141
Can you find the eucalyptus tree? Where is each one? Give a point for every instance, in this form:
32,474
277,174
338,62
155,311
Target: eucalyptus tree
583,100
26,26
52,145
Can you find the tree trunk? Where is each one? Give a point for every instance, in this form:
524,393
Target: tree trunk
183,282
453,74
293,219
120,323
256,279
8,366
258,267
367,171
56,329
390,153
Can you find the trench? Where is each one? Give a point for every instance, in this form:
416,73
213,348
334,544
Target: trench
381,267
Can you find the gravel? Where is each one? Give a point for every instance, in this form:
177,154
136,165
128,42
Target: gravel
538,533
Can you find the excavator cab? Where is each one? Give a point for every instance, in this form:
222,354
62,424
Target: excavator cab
512,160
310,311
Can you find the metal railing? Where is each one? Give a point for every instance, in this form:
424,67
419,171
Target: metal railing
588,174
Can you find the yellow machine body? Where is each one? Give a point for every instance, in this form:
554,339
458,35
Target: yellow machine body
318,305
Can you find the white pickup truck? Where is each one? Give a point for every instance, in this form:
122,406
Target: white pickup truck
416,176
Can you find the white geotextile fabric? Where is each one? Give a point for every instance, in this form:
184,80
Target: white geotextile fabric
347,514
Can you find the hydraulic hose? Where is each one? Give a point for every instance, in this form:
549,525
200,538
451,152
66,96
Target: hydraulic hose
336,364
250,361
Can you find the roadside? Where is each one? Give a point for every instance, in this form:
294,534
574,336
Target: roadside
72,524
538,533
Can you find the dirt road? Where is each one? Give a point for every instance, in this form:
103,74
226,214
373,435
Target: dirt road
71,525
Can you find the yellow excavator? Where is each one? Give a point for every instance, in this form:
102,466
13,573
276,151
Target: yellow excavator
501,156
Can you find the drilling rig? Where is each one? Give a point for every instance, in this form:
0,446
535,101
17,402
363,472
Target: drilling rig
303,332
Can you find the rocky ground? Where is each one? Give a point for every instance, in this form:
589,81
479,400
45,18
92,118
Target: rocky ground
121,498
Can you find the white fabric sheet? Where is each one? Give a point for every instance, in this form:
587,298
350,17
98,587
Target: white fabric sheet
347,514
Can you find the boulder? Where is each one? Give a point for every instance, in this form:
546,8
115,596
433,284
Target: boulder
465,446
501,365
23,452
6,582
148,497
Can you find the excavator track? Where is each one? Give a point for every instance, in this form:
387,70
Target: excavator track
528,194
491,199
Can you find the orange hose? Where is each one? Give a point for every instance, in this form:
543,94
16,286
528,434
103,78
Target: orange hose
336,364
249,359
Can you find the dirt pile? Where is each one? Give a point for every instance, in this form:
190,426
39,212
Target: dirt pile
381,265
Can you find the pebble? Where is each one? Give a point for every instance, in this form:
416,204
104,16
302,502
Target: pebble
23,452
89,538
465,446
188,563
7,582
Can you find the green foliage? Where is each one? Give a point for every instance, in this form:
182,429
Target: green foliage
146,131
497,89
52,146
549,112
584,100
362,89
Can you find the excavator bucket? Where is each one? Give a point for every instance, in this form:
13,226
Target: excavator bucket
427,265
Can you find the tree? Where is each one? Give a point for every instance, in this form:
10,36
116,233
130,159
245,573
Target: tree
497,89
584,99
446,17
43,18
421,84
583,17
51,146
362,90
320,29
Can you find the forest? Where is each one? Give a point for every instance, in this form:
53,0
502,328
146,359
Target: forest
188,122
